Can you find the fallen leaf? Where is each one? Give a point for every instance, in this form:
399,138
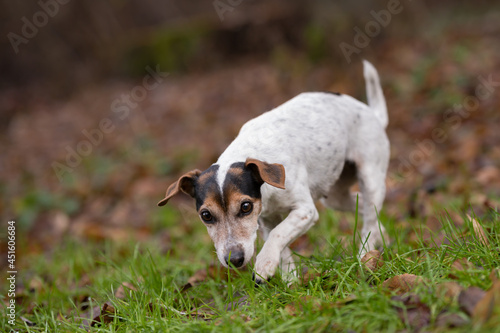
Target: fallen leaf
98,315
450,289
297,307
487,175
89,316
341,302
107,314
372,260
450,320
121,293
469,298
311,274
479,231
212,272
494,275
488,306
403,283
198,277
36,284
460,265
412,311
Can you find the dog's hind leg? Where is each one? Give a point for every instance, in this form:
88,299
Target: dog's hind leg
372,184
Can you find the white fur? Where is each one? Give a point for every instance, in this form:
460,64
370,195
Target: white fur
312,135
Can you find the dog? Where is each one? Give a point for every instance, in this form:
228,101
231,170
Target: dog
313,147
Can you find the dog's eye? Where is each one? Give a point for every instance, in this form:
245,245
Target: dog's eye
246,207
206,216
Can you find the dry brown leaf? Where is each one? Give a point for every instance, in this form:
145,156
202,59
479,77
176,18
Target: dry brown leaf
450,320
494,275
462,264
479,231
98,315
198,277
372,260
487,175
121,291
36,284
459,265
310,275
107,314
344,301
296,308
488,306
414,312
449,289
469,298
403,283
212,272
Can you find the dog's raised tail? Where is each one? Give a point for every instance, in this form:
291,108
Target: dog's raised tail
374,93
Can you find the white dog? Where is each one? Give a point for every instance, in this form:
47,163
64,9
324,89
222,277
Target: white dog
323,143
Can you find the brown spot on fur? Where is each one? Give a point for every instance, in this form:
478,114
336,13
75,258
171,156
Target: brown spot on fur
232,196
235,171
206,176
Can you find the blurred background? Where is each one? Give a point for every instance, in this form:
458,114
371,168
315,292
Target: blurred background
104,103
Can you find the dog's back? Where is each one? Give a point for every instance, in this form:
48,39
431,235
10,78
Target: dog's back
313,134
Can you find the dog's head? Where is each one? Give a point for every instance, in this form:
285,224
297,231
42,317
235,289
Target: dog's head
229,205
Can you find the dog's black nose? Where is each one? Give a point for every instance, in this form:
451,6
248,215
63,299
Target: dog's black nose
236,257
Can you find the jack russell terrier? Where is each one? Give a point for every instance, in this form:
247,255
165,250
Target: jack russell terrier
322,142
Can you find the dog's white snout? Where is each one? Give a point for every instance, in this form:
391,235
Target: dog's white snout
235,255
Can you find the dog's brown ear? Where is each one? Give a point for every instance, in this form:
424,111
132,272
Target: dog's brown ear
272,174
184,184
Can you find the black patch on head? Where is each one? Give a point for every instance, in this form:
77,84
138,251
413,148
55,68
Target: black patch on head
332,92
207,185
245,181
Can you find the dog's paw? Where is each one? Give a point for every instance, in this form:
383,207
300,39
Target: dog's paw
258,281
265,267
372,239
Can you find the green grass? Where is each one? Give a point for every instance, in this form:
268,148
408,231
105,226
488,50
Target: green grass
341,296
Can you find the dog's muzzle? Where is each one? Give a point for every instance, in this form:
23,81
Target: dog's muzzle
236,257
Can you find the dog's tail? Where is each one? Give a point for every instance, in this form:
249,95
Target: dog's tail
374,93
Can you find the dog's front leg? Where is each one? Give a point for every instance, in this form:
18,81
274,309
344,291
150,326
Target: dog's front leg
275,248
